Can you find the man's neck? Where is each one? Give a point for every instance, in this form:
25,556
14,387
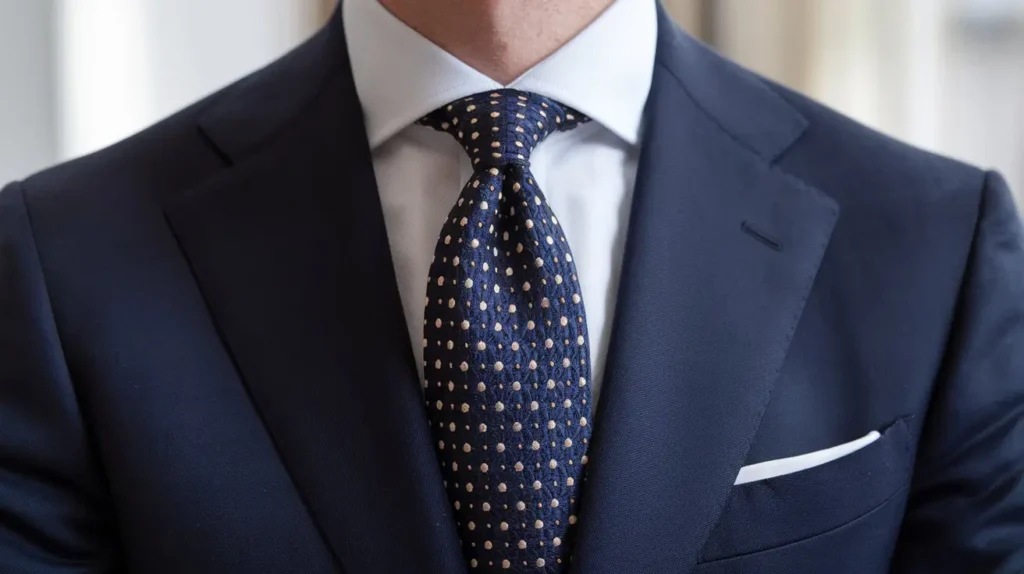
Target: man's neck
501,39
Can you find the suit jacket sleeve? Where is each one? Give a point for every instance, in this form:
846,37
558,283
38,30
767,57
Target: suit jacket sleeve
966,507
54,511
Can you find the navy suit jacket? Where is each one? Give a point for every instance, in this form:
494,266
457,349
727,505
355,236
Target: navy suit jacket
205,368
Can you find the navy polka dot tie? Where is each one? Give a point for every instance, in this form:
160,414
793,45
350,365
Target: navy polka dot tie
506,359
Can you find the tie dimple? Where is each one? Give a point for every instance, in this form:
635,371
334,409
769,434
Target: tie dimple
506,356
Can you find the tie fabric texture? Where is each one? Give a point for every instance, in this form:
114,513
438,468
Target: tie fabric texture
506,357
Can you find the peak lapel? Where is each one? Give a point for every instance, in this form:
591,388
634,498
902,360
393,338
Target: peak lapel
290,251
721,254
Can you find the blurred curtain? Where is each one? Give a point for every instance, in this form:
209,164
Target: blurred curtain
123,64
945,75
27,132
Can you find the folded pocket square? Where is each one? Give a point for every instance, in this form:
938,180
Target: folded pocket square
779,467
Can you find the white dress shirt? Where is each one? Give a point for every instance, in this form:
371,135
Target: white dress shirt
587,173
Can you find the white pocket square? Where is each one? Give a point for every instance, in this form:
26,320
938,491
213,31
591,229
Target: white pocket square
779,467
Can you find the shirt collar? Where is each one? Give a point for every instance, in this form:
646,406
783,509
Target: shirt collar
604,72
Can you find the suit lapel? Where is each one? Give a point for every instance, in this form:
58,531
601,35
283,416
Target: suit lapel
721,254
290,250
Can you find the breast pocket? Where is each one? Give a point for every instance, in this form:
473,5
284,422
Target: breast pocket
768,513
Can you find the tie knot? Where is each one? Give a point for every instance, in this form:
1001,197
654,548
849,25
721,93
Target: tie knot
502,127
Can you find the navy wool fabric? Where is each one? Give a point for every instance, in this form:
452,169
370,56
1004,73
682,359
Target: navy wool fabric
507,365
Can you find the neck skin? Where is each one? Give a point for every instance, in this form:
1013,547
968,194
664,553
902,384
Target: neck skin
501,39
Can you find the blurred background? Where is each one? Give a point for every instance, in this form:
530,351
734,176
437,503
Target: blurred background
945,75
